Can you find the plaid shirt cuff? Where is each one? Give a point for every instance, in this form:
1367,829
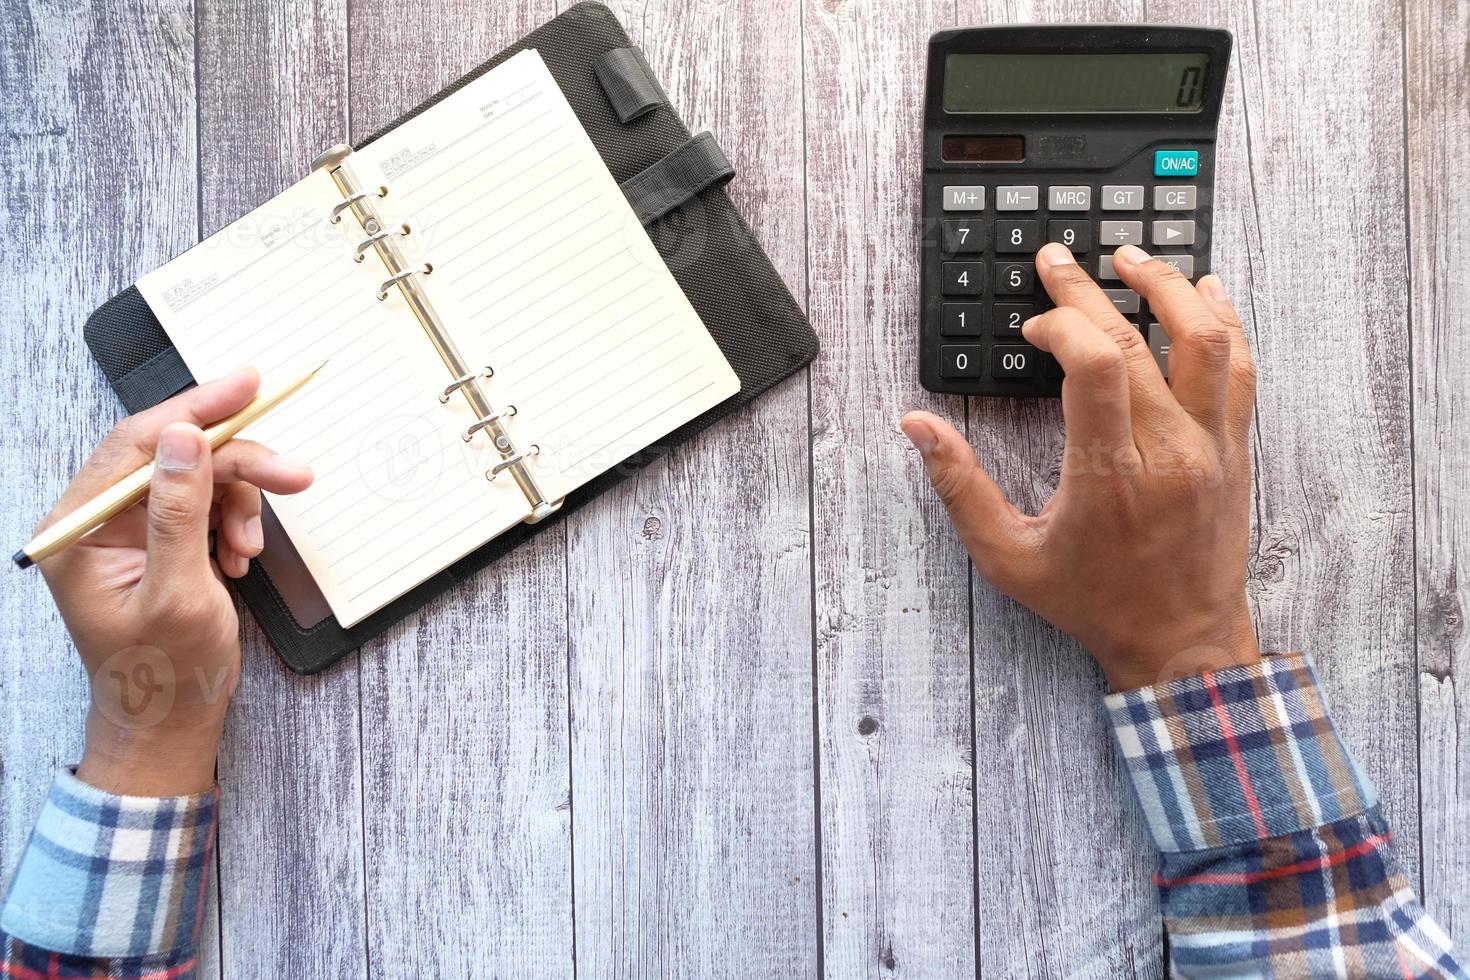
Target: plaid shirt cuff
112,876
1236,755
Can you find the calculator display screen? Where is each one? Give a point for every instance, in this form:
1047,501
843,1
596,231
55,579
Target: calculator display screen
1152,82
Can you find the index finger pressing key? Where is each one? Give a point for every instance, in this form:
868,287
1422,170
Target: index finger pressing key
1069,285
1199,356
1095,402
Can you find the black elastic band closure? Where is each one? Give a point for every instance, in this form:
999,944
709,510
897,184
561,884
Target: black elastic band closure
694,167
629,83
161,376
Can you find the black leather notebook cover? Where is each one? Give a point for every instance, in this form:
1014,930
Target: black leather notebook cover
708,247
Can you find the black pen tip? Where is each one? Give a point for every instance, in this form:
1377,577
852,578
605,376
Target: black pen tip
22,559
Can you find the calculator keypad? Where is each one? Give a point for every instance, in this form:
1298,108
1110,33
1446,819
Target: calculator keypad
989,234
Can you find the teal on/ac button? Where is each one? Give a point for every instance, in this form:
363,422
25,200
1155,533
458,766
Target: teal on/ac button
1176,163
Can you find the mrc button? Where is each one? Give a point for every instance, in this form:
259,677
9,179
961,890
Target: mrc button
1176,163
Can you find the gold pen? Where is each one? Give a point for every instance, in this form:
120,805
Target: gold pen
126,492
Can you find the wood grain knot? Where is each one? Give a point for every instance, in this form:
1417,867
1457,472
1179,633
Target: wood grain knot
653,528
867,725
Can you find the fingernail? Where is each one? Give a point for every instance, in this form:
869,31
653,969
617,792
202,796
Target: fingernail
1028,326
921,435
1131,255
254,535
1214,288
1055,253
178,449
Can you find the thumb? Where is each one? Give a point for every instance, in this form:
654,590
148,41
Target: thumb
179,498
995,533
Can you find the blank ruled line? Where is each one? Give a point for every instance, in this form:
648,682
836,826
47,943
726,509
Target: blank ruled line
647,421
377,539
597,356
425,460
543,226
416,558
477,221
586,410
560,266
298,354
642,402
338,419
586,316
607,328
325,356
547,295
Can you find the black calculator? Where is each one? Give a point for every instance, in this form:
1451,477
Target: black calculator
1092,136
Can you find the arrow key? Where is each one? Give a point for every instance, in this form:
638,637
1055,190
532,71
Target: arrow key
1173,232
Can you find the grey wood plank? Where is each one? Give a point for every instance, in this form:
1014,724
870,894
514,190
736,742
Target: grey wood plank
273,93
1063,877
1439,252
689,599
97,167
468,836
1332,568
892,586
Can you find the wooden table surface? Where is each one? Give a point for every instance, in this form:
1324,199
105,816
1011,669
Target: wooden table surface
751,714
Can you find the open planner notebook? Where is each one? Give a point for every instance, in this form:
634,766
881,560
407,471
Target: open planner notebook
497,326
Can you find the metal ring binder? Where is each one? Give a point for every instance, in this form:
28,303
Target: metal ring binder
350,200
514,459
398,277
375,237
504,413
466,379
485,372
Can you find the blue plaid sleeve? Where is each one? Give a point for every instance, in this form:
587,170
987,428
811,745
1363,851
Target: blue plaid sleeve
1274,855
109,886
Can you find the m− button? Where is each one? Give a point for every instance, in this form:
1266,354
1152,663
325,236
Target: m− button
1015,198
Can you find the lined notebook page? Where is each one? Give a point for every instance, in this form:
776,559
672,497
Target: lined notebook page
398,495
540,270
543,272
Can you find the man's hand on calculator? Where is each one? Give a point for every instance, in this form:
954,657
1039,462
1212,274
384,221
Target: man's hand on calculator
1141,551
